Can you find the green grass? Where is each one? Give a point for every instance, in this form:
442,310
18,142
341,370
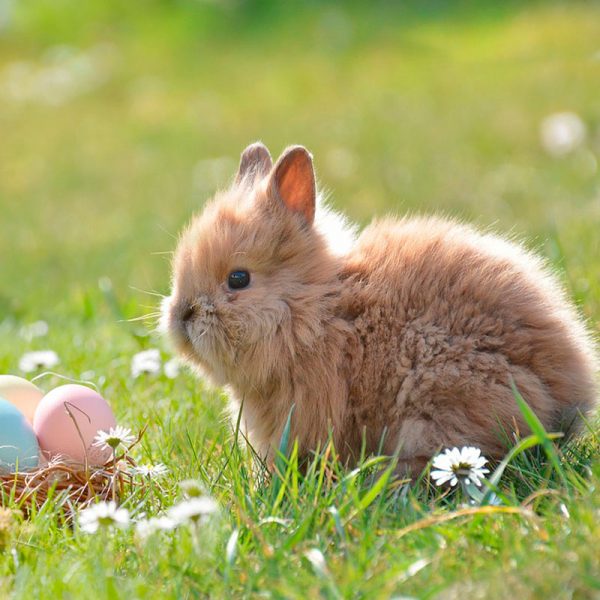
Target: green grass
428,107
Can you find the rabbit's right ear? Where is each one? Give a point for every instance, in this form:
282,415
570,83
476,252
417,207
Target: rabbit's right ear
255,162
293,182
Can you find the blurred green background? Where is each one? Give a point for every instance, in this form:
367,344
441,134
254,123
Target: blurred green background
118,120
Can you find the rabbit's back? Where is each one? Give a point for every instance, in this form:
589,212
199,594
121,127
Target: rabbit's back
446,316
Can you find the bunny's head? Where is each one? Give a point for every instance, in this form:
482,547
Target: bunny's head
254,277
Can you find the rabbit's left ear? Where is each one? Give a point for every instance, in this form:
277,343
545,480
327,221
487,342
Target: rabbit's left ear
293,182
255,162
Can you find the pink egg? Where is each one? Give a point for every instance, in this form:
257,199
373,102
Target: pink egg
67,420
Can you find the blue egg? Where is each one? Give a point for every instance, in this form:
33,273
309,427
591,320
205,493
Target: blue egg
19,448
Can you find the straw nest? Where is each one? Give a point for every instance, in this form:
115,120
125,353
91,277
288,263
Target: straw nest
72,485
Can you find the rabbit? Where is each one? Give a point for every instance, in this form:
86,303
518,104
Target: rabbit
403,340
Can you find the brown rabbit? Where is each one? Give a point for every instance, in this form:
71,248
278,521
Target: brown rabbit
405,339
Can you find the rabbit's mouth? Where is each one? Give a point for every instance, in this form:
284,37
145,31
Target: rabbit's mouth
203,336
188,326
175,326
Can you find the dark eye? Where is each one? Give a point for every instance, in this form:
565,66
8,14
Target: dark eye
238,280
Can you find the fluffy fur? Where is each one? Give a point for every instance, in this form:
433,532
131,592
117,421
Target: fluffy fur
405,340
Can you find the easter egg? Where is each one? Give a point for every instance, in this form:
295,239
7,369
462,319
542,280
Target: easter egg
67,420
19,450
22,393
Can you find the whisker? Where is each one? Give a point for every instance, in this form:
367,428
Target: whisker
167,232
149,292
147,317
151,308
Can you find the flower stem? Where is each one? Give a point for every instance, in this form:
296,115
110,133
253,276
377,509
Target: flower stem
114,479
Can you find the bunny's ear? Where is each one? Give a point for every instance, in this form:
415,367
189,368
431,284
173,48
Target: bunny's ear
293,182
255,162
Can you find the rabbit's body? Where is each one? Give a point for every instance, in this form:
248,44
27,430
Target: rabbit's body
408,341
445,317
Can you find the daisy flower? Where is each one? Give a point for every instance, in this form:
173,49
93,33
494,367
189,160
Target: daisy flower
42,359
172,368
105,515
34,330
465,465
191,488
115,437
147,361
151,471
147,527
562,133
192,510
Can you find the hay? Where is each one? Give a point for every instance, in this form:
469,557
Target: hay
72,485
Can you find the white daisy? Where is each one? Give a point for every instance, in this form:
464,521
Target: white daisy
192,488
42,359
464,465
34,330
103,514
151,471
115,437
562,133
147,527
172,368
147,361
192,510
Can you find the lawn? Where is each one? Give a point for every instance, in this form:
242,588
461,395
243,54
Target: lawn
119,119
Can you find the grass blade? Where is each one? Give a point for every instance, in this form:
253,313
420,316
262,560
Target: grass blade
538,430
